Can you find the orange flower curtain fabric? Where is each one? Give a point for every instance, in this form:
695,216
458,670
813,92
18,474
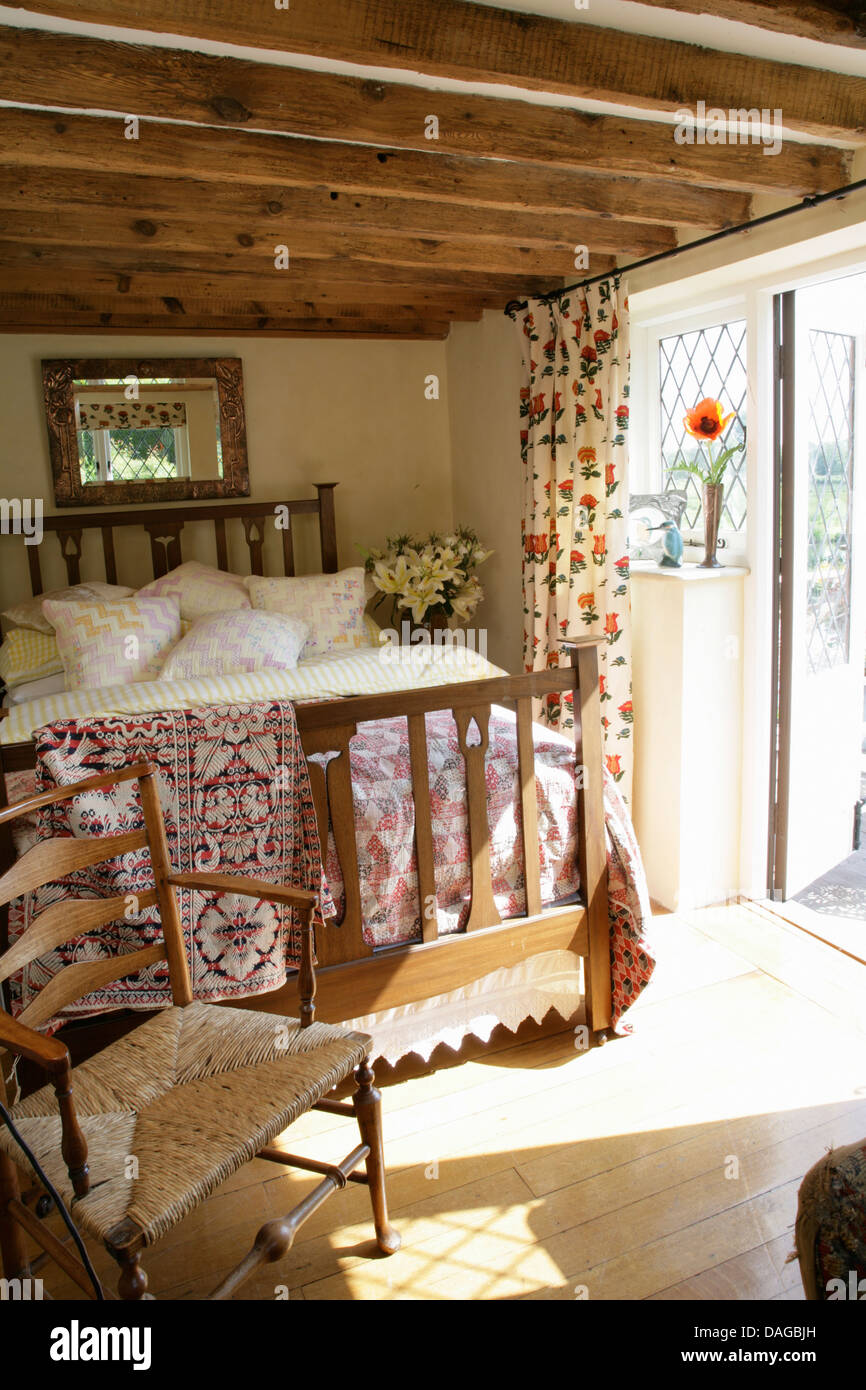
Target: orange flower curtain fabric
574,445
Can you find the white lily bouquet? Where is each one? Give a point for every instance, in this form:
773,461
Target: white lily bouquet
434,579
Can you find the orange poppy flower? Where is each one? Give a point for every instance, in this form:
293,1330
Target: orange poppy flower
707,420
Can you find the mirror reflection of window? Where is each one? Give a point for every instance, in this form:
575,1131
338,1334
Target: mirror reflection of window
147,430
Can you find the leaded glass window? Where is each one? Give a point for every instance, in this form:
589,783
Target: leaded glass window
692,366
831,463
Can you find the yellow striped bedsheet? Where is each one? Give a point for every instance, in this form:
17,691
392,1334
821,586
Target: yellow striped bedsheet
369,671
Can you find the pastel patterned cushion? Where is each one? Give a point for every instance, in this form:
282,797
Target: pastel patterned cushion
117,642
200,590
230,643
27,655
30,613
331,604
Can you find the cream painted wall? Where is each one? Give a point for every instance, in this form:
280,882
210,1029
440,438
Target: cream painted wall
351,412
484,375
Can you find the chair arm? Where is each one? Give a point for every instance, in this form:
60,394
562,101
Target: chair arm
53,1056
247,888
48,1053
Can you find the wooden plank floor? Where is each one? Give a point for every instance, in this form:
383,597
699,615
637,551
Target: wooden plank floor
662,1166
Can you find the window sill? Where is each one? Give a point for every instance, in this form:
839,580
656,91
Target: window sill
690,572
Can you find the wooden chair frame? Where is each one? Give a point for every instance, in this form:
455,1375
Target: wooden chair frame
50,859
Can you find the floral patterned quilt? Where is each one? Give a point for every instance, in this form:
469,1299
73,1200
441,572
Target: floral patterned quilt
228,805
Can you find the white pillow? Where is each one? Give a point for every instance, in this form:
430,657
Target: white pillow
331,604
35,690
231,643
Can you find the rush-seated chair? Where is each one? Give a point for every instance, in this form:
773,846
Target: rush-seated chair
193,1093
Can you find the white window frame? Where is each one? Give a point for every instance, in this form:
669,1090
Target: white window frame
102,453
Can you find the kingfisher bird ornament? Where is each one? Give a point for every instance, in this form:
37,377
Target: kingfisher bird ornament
672,545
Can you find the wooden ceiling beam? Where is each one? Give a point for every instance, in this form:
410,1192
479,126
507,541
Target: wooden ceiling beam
45,308
49,140
107,273
267,211
842,23
263,327
87,73
190,235
480,43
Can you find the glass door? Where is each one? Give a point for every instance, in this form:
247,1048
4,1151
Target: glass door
820,511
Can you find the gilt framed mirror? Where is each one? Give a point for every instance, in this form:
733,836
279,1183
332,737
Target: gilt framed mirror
165,429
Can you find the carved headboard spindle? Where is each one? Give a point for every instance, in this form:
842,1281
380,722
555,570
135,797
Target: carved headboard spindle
288,551
164,545
328,527
36,585
108,554
219,526
70,548
254,530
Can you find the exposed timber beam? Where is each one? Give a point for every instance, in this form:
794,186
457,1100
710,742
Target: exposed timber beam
480,43
843,22
48,140
160,83
187,234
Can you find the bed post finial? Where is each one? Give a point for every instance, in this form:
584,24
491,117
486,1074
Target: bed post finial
328,527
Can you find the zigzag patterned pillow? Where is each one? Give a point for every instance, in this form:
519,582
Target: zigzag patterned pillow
200,590
117,642
29,612
231,643
332,605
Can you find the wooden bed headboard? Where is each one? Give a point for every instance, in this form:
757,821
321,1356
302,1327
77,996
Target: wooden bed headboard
165,525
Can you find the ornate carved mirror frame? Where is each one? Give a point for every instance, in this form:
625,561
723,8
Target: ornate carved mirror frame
58,378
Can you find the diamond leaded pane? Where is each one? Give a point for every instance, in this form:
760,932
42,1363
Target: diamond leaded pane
692,366
831,464
142,454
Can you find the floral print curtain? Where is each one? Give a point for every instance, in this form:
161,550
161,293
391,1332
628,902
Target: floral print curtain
574,446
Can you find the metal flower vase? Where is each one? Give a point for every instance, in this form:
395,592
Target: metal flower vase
714,495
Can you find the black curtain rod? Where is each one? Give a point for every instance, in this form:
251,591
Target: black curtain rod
812,201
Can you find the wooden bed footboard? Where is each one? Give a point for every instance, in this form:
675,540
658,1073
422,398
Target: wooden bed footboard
354,979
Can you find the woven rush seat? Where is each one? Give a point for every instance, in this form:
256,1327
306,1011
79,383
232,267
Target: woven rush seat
178,1105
